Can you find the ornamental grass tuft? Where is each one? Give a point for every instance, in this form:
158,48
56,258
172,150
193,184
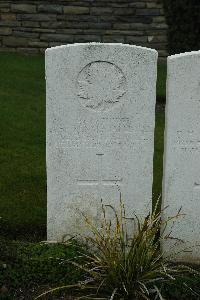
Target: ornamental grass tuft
120,263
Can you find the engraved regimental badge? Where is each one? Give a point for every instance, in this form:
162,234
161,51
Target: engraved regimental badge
101,86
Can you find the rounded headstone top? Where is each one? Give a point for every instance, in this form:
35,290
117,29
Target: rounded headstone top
183,55
94,44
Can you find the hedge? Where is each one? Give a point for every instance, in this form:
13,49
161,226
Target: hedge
183,19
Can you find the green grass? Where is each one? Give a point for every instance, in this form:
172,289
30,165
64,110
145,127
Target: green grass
158,155
22,141
22,144
161,83
32,268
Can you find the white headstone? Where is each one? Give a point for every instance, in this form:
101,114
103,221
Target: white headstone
181,184
100,131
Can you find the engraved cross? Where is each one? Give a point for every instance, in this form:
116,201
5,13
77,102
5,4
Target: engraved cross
100,181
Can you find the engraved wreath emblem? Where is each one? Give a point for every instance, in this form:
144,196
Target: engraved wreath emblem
101,85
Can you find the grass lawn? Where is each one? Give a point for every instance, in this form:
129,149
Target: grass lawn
22,145
161,82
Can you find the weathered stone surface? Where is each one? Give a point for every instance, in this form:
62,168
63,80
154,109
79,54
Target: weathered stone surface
9,17
100,131
159,19
87,25
123,26
30,24
83,3
159,26
163,53
158,45
124,11
87,38
7,49
4,10
156,32
181,185
88,17
101,10
54,24
25,34
98,32
10,23
31,51
75,25
113,39
157,39
78,10
5,31
114,4
15,41
78,18
23,8
36,44
4,4
102,25
42,50
35,29
70,31
136,39
45,30
50,8
57,38
54,44
148,12
120,32
137,4
134,20
154,4
36,17
139,27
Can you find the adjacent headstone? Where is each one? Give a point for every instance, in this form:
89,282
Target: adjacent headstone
181,185
100,131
